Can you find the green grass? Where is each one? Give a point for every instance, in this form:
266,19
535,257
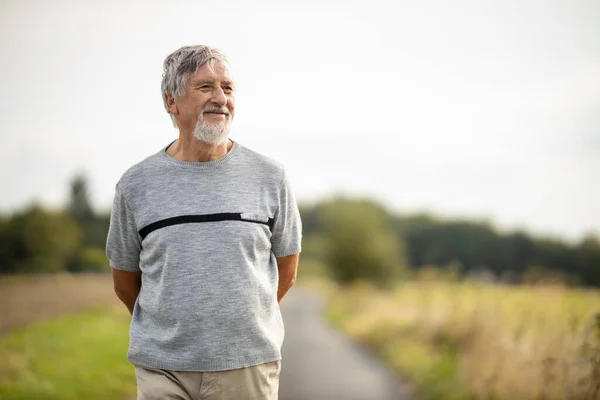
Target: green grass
81,356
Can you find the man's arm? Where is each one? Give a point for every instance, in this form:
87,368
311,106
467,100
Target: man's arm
288,268
127,286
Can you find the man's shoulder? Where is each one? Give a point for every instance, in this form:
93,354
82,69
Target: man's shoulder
139,172
260,162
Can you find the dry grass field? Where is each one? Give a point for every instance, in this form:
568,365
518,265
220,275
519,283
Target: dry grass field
28,299
65,337
459,341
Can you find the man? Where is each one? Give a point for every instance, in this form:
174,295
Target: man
203,243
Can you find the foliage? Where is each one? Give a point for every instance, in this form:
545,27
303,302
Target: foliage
588,260
37,240
538,275
357,239
95,227
359,244
89,260
79,206
310,270
478,341
95,231
476,246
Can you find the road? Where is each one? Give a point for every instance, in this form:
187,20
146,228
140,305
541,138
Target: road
320,363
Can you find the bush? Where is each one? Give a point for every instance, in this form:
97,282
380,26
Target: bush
38,240
360,246
538,275
89,260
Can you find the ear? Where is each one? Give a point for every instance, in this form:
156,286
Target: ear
171,105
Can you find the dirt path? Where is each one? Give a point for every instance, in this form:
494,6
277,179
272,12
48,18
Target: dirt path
322,364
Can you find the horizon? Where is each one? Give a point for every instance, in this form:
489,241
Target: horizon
488,111
394,212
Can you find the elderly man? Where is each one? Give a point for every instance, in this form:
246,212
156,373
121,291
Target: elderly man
203,243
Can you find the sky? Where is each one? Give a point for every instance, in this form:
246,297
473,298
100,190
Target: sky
480,109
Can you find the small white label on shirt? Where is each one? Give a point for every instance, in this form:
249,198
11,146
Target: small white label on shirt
254,217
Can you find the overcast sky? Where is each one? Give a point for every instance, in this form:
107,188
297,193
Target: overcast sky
464,108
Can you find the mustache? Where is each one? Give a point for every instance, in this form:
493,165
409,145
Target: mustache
215,109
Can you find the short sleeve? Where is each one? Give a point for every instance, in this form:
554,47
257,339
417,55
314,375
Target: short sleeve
123,244
287,226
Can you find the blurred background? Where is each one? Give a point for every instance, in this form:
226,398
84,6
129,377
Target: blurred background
446,157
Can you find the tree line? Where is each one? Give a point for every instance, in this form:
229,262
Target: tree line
354,238
342,229
39,240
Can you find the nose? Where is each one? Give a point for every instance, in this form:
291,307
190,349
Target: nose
219,96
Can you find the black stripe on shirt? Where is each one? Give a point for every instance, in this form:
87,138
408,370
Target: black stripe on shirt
187,219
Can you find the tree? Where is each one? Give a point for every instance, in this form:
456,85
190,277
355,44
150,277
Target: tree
41,241
589,260
360,244
7,246
79,203
432,241
95,227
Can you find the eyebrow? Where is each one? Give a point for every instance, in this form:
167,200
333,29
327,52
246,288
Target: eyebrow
211,82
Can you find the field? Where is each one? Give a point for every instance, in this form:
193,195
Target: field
73,345
27,299
66,337
474,341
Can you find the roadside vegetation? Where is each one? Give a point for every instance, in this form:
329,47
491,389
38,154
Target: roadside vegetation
468,340
457,308
73,357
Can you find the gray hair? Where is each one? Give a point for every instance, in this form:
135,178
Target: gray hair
182,63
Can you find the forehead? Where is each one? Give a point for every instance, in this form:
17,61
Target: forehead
218,71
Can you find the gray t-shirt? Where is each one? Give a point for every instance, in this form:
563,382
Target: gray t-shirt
205,236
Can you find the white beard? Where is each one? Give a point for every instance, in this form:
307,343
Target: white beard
212,133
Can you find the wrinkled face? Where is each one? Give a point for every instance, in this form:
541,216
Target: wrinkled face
208,105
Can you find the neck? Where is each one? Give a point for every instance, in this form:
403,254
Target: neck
188,148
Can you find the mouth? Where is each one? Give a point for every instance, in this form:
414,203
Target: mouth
216,114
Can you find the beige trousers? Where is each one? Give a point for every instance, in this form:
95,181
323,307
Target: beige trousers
259,382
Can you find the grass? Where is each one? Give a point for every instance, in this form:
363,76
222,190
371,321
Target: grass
81,356
461,341
453,341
